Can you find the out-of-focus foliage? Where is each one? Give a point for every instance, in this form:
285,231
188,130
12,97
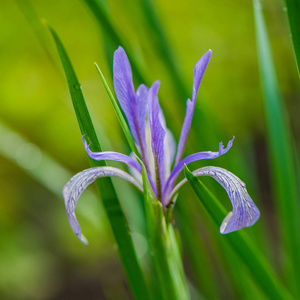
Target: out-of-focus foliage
40,258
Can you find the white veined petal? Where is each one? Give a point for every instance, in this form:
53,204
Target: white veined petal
244,211
78,183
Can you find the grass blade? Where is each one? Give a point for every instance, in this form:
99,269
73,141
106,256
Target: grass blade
119,113
110,200
284,183
163,247
258,267
99,10
293,13
36,163
196,250
35,23
164,47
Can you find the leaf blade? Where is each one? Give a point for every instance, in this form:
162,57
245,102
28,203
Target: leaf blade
165,257
293,13
279,140
119,113
109,197
257,265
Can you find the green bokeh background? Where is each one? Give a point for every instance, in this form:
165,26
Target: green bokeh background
40,258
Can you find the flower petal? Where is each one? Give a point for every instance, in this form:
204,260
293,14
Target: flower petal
199,70
123,84
110,155
170,150
78,183
157,136
141,111
244,212
194,157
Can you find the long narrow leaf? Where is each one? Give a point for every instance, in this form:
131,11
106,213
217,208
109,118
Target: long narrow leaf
119,113
99,10
110,200
35,23
257,265
293,12
164,47
284,184
196,250
168,270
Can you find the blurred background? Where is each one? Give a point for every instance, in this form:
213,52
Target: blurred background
41,147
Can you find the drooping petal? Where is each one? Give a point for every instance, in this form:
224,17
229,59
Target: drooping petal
123,84
194,157
244,211
157,136
78,183
110,155
190,105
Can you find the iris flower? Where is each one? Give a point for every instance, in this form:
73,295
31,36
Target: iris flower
158,151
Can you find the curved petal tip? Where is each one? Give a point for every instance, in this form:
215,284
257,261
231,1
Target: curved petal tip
244,212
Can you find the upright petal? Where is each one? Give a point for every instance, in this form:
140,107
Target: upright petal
123,84
169,146
244,211
78,183
141,111
170,150
194,157
190,105
157,136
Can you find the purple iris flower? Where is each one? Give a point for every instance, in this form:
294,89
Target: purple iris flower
157,150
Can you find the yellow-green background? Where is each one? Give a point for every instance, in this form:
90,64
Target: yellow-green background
40,257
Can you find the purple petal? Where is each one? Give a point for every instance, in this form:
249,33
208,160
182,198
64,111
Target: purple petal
185,129
109,155
141,111
157,136
190,105
244,212
199,70
123,84
134,105
169,145
78,183
194,157
170,150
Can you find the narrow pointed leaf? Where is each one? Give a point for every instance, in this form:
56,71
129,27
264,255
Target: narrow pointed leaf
160,245
293,13
279,138
110,200
257,265
164,47
99,10
119,113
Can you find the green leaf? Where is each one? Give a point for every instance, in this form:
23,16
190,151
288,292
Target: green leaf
164,47
164,251
109,197
99,10
196,249
257,265
279,138
293,13
119,113
35,23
